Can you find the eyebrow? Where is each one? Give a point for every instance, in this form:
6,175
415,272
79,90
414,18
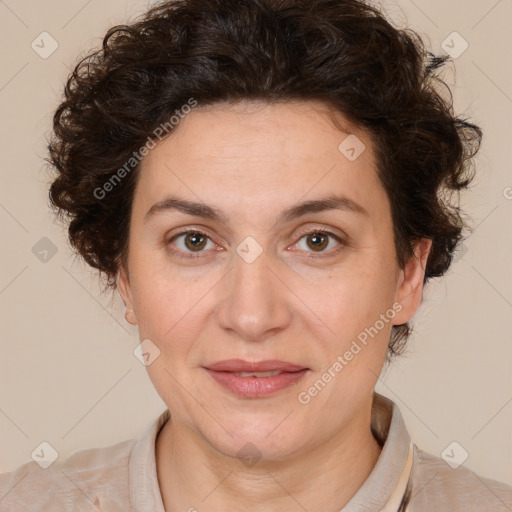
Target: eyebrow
332,202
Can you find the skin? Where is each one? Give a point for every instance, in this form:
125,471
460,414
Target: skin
252,161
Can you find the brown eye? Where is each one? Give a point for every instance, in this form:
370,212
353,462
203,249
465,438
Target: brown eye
195,241
189,242
317,241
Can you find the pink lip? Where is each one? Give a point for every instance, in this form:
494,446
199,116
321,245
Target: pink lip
239,365
255,387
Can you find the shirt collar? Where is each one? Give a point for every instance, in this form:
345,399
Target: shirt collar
379,488
144,490
382,484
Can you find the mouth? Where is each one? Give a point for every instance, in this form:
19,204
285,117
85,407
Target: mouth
255,379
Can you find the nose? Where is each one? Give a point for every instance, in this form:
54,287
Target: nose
256,304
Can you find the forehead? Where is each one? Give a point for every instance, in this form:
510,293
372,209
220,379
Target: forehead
292,130
255,155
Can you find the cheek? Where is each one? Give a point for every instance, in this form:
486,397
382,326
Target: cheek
352,307
354,297
171,306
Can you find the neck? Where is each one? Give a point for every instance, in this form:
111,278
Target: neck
194,476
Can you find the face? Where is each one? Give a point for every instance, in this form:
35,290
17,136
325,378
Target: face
264,272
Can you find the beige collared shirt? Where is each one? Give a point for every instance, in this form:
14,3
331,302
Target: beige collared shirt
122,478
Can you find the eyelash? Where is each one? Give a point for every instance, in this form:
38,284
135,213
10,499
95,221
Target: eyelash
311,232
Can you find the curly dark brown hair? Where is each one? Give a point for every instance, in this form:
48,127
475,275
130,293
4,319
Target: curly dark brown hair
342,52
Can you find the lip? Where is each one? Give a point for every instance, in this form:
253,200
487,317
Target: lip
255,387
239,365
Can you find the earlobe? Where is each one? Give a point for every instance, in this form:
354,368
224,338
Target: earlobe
410,284
124,289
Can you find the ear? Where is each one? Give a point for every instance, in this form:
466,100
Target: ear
410,283
125,290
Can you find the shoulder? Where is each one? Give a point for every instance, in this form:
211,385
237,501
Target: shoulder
91,479
434,482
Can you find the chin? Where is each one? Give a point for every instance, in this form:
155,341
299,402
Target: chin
255,441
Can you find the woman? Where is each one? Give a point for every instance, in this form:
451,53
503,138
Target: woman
266,185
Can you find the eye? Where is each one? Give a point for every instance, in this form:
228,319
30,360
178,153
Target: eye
191,242
318,241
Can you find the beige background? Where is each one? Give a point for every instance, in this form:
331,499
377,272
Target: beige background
67,372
